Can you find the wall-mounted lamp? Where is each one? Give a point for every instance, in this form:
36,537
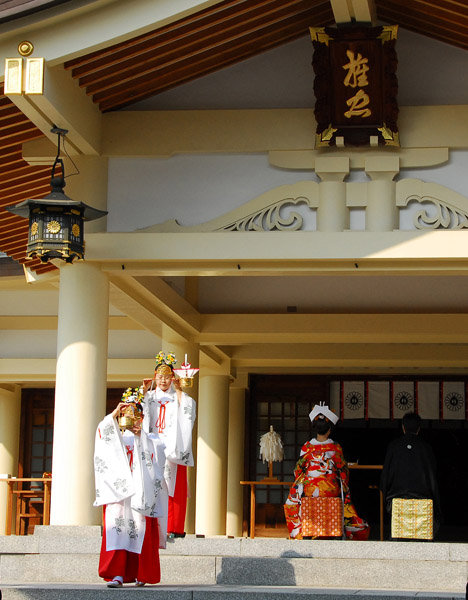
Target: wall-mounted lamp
56,221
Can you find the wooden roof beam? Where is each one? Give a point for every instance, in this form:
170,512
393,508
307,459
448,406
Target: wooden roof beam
63,105
347,11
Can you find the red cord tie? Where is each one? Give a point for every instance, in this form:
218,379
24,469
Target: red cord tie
130,456
161,422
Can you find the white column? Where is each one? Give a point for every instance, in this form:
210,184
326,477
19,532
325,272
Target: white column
213,412
332,212
10,409
382,212
80,391
236,445
172,342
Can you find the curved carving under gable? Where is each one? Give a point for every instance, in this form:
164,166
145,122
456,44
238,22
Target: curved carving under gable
271,211
445,217
442,208
270,218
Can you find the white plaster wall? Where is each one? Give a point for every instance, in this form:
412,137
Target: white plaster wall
43,344
333,294
189,188
133,344
453,175
28,344
193,189
31,301
28,302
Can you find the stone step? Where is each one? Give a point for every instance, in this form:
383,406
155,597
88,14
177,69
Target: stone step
225,570
216,592
70,555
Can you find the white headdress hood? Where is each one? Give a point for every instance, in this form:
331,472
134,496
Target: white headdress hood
321,409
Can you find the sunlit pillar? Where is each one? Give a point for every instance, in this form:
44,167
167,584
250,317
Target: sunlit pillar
213,413
236,445
332,212
381,211
10,409
80,391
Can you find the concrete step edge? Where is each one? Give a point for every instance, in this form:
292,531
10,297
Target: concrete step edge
172,592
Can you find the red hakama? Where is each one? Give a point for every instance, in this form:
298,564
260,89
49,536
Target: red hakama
178,503
142,567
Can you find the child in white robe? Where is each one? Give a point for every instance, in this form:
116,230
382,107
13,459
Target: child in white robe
170,413
129,473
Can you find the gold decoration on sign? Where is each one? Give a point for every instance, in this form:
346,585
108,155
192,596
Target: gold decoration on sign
318,35
358,105
328,134
25,48
76,230
34,228
53,227
391,138
389,32
324,138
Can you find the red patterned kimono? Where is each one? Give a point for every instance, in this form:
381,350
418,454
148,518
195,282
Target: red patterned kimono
322,471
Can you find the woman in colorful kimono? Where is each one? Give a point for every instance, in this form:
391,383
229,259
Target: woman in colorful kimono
129,473
322,471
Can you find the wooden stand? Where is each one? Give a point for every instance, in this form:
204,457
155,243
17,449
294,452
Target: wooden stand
25,501
270,477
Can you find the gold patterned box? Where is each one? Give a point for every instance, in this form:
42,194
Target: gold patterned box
322,517
412,518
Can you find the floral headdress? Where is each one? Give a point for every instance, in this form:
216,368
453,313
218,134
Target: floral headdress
168,360
133,396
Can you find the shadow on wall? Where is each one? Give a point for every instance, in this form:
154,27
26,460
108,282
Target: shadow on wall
255,571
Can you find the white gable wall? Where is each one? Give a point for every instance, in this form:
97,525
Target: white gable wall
195,188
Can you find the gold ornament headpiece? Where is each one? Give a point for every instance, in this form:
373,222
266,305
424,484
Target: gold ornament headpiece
164,370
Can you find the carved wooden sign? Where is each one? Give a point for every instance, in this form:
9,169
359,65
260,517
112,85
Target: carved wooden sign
355,86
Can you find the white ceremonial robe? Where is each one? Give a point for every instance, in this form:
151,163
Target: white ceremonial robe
129,474
173,422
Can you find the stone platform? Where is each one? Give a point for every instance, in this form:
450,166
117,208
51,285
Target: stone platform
216,592
61,562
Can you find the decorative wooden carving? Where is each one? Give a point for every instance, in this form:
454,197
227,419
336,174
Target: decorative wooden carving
271,218
445,216
355,86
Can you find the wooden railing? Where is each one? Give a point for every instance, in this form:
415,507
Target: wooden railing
28,503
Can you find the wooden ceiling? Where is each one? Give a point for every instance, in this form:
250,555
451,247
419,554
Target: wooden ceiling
222,35
200,44
18,181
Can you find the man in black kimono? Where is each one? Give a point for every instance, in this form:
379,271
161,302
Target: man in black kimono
409,469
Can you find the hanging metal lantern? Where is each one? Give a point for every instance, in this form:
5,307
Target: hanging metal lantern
56,221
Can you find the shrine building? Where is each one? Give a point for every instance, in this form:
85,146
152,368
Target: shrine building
288,212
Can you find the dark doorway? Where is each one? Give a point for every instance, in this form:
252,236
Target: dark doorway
285,401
